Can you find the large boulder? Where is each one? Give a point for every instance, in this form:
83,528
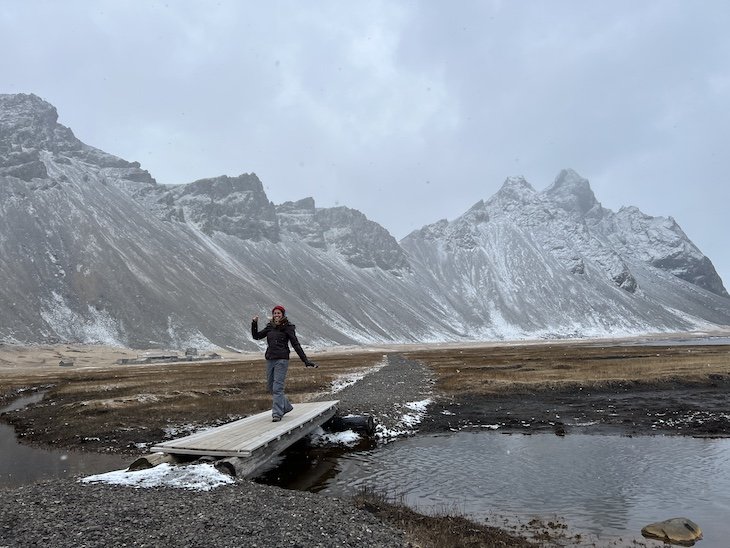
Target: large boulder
680,531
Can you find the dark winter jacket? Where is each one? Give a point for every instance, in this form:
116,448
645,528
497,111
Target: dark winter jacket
278,338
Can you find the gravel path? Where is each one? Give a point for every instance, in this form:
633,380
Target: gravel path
67,513
386,393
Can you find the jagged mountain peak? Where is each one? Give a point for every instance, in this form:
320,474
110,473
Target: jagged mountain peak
516,183
569,177
635,213
223,186
305,205
572,192
362,242
25,109
31,138
661,243
631,218
29,124
515,190
237,206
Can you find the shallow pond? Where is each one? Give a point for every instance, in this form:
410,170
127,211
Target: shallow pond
21,464
600,486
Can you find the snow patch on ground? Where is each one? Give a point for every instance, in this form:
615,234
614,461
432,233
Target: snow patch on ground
348,379
347,438
406,424
185,430
197,477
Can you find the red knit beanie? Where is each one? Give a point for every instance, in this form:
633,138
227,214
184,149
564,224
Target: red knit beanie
279,307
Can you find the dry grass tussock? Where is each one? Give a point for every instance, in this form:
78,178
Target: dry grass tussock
106,405
508,368
244,377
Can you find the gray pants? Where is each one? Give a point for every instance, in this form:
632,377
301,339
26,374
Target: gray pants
275,377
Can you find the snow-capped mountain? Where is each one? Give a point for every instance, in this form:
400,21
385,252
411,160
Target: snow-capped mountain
556,262
92,249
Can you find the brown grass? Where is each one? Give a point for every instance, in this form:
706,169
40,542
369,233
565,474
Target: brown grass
244,378
507,368
105,408
118,405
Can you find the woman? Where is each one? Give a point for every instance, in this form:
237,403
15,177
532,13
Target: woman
279,333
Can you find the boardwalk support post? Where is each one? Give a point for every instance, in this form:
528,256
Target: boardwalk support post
150,461
356,423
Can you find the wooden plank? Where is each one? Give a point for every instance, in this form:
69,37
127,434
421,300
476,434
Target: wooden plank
249,467
243,437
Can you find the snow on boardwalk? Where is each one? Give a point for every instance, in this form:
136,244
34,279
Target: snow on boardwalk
246,437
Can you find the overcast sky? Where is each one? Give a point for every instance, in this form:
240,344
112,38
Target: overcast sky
409,111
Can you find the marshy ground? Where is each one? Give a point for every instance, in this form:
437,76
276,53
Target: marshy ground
669,389
98,405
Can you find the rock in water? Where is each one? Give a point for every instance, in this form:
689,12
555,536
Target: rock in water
680,531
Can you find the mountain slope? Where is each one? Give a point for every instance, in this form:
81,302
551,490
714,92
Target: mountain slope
92,249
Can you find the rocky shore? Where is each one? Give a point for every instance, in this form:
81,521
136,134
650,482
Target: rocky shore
68,513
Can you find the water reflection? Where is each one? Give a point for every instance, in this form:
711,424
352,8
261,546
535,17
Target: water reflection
605,485
23,464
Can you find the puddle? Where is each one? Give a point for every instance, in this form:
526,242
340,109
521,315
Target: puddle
22,464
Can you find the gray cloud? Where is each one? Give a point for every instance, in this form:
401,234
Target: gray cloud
408,111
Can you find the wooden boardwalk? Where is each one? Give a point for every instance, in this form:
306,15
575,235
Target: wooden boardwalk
255,437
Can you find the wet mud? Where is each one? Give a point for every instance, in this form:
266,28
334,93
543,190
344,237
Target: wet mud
629,408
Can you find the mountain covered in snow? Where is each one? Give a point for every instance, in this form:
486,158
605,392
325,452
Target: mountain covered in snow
92,249
557,263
